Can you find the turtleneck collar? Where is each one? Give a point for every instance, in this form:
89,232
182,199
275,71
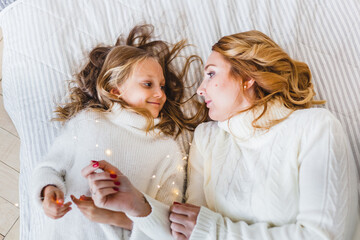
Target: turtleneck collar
241,125
120,115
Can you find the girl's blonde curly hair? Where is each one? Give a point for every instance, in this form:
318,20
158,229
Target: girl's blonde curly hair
109,66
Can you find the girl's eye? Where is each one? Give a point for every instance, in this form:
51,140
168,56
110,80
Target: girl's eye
210,74
147,84
162,88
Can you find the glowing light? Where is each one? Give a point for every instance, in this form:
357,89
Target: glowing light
190,143
180,168
158,186
16,204
173,183
75,137
112,172
168,156
176,192
184,158
97,145
97,121
108,152
59,202
153,176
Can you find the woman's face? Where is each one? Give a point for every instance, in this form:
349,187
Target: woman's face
145,87
221,91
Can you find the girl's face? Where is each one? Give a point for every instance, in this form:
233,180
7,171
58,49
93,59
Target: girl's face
145,87
222,93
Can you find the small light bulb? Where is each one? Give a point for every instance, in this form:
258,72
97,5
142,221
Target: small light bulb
108,152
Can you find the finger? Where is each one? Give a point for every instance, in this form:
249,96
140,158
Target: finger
85,198
104,165
177,227
75,200
103,176
178,236
183,209
58,197
178,218
91,168
100,196
97,185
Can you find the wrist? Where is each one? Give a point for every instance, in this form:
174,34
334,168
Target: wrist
45,189
142,208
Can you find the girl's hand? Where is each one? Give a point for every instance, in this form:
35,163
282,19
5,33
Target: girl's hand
87,207
113,190
53,203
183,219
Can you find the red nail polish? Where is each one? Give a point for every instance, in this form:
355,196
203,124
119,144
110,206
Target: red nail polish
94,161
117,183
177,203
116,189
113,175
95,165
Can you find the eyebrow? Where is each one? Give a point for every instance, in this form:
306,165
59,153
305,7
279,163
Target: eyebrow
207,66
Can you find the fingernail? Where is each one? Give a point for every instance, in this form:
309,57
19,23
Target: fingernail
117,183
116,189
113,175
95,165
94,161
177,203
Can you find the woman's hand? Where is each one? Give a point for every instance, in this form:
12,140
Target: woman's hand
87,207
113,191
183,220
53,203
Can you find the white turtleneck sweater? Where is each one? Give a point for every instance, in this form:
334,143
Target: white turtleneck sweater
153,163
295,181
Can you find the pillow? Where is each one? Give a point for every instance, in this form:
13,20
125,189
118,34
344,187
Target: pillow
45,42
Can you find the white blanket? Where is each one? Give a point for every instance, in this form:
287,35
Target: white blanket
45,42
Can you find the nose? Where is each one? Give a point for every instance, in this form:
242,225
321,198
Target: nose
201,89
158,93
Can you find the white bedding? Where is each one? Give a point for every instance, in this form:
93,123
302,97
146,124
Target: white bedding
45,42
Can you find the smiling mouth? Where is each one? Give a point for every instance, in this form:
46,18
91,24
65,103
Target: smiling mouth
155,103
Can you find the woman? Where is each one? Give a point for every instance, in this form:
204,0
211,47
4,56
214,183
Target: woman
269,167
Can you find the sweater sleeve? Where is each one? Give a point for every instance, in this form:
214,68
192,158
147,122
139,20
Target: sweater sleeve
327,189
53,168
157,225
195,184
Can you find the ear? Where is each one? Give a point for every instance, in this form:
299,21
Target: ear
249,83
115,91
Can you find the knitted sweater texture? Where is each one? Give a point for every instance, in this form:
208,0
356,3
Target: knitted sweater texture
152,162
294,181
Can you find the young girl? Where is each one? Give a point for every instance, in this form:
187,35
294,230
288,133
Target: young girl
126,109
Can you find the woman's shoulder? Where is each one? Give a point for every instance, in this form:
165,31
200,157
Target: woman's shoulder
206,132
312,118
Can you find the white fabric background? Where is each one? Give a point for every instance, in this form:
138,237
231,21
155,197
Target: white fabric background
45,42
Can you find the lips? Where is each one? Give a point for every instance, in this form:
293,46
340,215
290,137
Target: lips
208,102
155,103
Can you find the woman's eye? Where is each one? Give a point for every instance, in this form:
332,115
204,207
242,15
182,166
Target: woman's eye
210,74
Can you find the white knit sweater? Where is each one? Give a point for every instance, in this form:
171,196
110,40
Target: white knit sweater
295,181
153,164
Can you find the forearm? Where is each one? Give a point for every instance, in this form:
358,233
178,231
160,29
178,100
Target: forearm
118,219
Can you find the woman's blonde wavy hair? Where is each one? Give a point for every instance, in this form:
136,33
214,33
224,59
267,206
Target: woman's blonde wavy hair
109,66
253,55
